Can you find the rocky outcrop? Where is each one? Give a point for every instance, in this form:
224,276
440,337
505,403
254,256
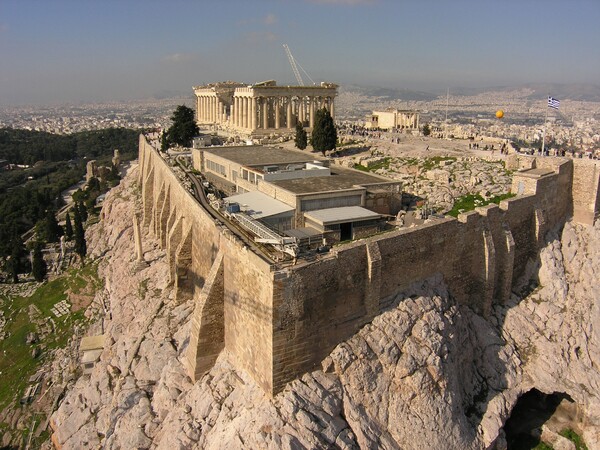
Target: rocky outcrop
555,329
427,373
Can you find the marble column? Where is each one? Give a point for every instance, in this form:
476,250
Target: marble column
301,114
253,114
236,111
288,118
245,112
219,111
311,112
265,111
332,107
276,106
197,109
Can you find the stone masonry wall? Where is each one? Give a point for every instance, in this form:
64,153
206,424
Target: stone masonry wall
481,255
279,323
243,321
586,191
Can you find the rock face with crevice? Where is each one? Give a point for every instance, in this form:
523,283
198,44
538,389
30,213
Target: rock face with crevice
427,373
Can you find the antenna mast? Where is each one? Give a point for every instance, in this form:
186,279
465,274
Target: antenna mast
446,121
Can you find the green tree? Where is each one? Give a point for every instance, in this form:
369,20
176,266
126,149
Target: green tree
184,127
52,231
324,134
38,265
80,244
300,140
113,175
83,211
14,263
68,227
426,130
93,185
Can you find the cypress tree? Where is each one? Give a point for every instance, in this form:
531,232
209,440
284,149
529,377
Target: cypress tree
324,134
300,140
68,227
80,244
52,230
38,265
83,213
14,265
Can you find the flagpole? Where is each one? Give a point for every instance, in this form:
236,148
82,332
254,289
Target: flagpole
544,133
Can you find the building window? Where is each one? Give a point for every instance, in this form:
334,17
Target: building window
214,167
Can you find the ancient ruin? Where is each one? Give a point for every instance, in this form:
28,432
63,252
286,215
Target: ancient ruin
393,119
262,108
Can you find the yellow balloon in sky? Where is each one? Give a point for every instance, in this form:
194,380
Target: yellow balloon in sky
499,114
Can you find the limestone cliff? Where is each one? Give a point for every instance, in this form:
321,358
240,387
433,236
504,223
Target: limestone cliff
425,374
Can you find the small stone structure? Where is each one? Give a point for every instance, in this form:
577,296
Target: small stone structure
279,321
116,159
91,348
393,118
262,108
91,170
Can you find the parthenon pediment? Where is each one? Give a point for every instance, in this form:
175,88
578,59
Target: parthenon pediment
266,83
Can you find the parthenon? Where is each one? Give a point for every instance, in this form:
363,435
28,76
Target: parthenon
261,108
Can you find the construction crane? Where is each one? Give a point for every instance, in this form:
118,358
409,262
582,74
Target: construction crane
295,66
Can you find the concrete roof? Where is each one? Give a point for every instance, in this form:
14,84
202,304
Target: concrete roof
303,232
535,173
341,178
331,216
257,155
259,205
91,343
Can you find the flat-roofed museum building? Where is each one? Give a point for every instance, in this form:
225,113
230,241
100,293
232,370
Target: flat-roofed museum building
289,189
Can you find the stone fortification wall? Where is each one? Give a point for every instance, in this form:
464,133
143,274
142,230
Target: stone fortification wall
586,191
481,255
231,286
279,323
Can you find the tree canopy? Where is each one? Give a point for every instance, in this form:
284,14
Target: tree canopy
68,227
39,267
183,129
58,162
426,130
27,147
14,263
51,230
80,243
324,134
300,140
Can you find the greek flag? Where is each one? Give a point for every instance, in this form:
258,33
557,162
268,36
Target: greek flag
553,102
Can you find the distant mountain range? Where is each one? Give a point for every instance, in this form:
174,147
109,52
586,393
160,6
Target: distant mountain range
579,91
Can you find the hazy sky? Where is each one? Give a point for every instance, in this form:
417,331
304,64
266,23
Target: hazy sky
55,51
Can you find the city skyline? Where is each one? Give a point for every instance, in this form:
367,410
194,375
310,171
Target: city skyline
67,51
